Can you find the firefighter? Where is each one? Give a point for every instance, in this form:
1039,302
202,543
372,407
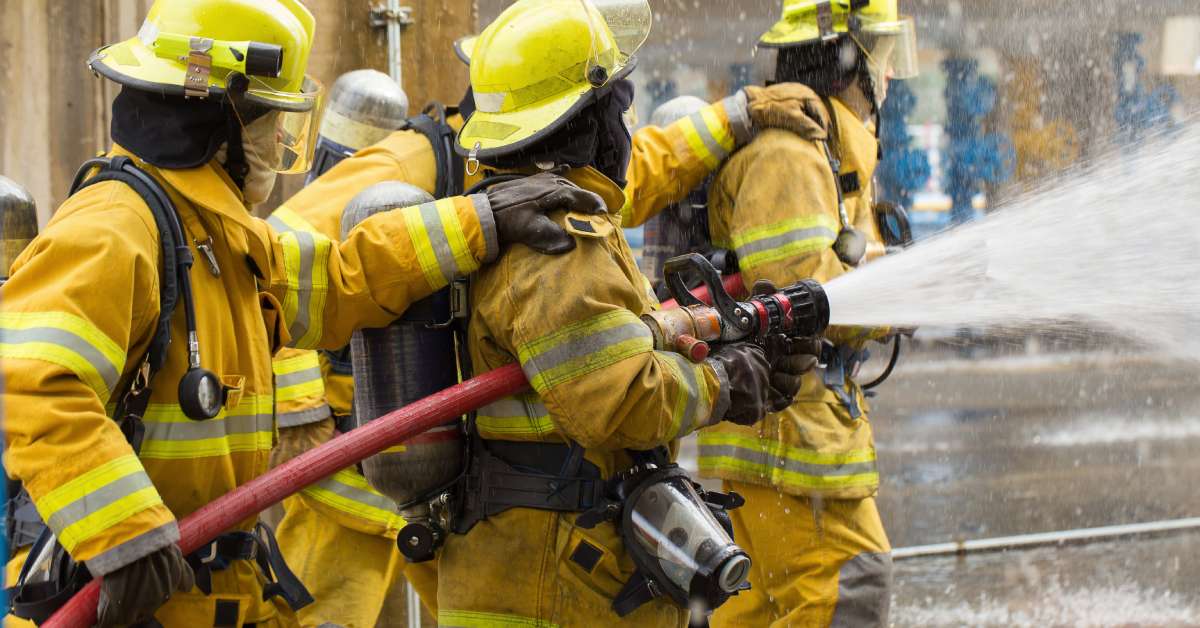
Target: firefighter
214,102
522,554
343,511
795,206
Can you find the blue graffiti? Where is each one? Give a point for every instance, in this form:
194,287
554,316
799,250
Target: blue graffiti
904,169
973,158
1138,110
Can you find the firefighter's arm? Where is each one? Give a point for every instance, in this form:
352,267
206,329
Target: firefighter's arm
667,163
70,327
590,357
402,156
389,261
299,388
785,219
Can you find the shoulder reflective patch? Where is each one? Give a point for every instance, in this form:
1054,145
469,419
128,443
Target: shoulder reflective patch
588,226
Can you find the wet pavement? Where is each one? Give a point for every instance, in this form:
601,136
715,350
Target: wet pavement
972,449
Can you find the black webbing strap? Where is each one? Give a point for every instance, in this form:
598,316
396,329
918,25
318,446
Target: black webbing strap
544,476
259,546
450,171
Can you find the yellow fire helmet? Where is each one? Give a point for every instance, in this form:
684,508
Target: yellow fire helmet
464,47
888,38
254,51
541,62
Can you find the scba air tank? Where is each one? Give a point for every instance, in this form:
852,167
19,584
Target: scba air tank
404,362
364,107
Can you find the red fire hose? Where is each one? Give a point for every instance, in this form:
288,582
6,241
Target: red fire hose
258,494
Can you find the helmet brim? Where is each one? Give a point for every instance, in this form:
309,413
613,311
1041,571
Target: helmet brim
499,134
132,64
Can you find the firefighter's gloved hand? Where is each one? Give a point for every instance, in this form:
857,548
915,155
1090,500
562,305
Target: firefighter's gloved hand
790,359
749,376
298,439
520,208
788,106
131,594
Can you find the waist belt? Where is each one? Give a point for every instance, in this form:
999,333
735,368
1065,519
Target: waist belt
259,546
841,360
546,476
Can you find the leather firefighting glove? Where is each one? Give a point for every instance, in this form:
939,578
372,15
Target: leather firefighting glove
296,440
790,359
131,594
749,376
788,106
520,207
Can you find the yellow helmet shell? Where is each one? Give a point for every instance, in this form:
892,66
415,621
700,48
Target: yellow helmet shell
157,59
534,67
800,23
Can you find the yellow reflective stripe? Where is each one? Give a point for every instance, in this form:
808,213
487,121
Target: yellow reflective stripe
525,415
298,376
66,340
784,464
717,128
692,404
284,219
424,249
349,492
95,501
691,134
297,362
306,272
480,619
171,435
584,347
784,239
456,237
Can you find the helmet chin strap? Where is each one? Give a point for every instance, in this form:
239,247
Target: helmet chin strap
235,154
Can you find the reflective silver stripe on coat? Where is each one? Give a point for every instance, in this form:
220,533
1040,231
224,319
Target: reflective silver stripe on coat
97,499
304,417
795,235
767,460
108,371
303,376
714,147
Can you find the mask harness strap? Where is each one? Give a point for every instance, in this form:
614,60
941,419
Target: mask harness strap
235,154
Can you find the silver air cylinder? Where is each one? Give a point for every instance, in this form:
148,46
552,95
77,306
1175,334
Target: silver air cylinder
364,107
402,363
18,222
679,228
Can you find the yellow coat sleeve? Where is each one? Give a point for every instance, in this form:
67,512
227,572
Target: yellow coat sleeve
71,327
402,156
571,321
781,215
390,260
668,163
299,388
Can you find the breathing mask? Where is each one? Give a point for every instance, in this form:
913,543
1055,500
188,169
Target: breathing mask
679,536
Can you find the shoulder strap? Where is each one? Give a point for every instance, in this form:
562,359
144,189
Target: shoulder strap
432,124
176,258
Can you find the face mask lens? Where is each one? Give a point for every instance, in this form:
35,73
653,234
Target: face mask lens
676,529
296,125
893,48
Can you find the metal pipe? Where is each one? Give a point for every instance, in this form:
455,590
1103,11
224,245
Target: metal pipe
1061,537
395,58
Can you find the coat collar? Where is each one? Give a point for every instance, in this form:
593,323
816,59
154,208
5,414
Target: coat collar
206,186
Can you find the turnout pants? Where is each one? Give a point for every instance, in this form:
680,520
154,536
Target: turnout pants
812,567
348,572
